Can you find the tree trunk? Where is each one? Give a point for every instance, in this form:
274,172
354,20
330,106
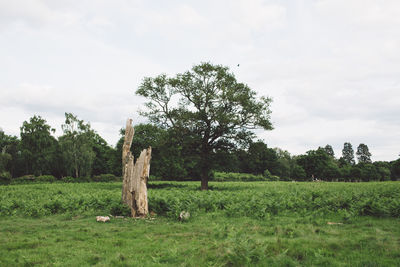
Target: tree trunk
205,167
204,182
135,176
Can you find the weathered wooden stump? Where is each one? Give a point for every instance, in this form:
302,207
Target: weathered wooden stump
135,175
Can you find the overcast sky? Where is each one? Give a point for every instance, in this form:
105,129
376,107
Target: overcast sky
332,67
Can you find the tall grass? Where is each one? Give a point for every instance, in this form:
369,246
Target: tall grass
252,199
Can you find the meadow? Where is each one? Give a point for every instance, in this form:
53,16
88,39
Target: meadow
232,224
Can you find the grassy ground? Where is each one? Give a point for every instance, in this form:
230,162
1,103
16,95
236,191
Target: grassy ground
208,239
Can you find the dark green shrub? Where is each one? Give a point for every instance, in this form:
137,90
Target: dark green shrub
237,177
273,178
120,209
69,179
46,178
155,178
5,177
24,179
105,178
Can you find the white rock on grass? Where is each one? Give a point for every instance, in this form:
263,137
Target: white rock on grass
184,215
102,218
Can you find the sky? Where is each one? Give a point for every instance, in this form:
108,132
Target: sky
332,67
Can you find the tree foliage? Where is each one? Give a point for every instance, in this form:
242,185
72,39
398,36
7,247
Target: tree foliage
37,145
208,105
176,156
77,150
363,154
348,154
329,150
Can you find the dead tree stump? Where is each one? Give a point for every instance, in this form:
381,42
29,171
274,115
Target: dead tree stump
135,175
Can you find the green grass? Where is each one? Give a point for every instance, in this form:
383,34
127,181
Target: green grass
210,239
226,227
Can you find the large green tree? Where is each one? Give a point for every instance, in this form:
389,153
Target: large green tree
11,145
329,150
348,154
318,164
5,157
77,149
38,146
363,154
104,154
395,170
208,105
260,158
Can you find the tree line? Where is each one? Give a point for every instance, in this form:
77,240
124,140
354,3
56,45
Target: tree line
81,152
201,121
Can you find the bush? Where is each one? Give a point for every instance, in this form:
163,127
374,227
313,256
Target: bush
155,178
237,177
46,178
69,179
105,178
5,177
267,174
120,209
24,179
273,178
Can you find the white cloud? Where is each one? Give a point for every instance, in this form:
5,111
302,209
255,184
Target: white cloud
332,66
258,15
33,13
362,12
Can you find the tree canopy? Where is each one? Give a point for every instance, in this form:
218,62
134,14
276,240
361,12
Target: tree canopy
348,153
363,154
208,104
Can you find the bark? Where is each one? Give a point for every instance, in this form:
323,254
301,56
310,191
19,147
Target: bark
204,183
135,176
138,185
205,169
127,161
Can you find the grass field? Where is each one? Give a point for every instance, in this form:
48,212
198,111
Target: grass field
233,224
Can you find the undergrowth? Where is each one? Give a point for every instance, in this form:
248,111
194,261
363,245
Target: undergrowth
252,199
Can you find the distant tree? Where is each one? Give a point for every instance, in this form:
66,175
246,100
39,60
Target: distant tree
345,172
168,160
384,173
227,161
348,154
342,162
368,172
383,169
103,153
78,154
11,145
314,162
5,157
298,173
363,154
285,166
331,171
395,170
355,173
212,106
37,145
329,151
260,158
